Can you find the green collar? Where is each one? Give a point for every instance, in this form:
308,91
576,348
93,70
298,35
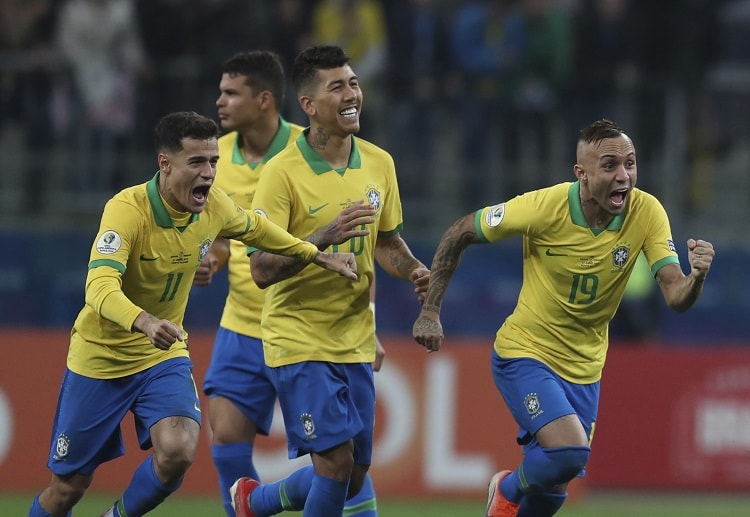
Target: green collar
277,144
576,211
318,164
161,215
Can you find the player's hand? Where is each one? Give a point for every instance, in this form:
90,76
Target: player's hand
342,263
420,277
700,255
205,272
427,330
348,224
379,355
162,333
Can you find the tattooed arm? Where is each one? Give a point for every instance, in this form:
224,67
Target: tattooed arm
427,330
396,259
268,268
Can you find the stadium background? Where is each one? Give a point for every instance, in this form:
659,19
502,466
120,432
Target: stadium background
676,397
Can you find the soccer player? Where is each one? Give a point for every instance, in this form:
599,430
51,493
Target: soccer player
241,395
128,348
580,244
318,333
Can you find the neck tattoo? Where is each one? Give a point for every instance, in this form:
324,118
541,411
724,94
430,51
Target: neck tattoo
319,139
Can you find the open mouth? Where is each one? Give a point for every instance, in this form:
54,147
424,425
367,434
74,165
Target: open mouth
201,193
618,197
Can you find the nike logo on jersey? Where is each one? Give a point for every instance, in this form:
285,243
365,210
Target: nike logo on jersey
313,211
144,258
551,253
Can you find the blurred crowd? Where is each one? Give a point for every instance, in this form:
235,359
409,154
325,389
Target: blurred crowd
476,100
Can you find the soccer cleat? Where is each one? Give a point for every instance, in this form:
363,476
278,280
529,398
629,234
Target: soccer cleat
497,504
240,493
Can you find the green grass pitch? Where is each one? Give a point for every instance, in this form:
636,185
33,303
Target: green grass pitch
593,505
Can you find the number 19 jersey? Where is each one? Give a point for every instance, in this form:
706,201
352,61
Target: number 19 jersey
574,276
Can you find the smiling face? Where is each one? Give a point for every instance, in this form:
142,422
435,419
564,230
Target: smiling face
607,172
335,102
186,175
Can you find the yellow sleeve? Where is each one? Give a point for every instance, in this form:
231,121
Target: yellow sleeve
104,294
268,236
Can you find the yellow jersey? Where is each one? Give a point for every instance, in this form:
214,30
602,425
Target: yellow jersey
144,258
315,316
574,276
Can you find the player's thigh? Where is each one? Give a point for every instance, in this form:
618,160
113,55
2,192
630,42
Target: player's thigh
168,407
565,431
317,404
535,395
228,423
86,429
238,373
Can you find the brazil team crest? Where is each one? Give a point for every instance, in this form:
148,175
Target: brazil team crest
307,424
533,406
373,197
620,255
205,245
62,445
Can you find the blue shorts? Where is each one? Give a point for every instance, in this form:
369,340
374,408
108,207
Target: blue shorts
326,404
86,431
238,372
535,396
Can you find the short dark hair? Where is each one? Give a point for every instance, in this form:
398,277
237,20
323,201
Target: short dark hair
262,70
600,130
172,128
319,57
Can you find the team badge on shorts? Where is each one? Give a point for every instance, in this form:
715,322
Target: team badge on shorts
62,445
531,402
308,425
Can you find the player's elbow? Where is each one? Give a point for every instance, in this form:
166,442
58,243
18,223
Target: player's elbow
261,279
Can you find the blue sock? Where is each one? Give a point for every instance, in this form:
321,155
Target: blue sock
542,469
288,494
363,504
327,497
145,491
36,509
541,505
232,461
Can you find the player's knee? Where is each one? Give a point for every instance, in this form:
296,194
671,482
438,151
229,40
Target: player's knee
66,491
173,462
569,461
175,451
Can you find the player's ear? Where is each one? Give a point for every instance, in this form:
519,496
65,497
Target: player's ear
308,105
266,99
579,172
164,164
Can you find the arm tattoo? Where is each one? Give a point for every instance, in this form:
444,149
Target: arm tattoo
447,257
401,258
